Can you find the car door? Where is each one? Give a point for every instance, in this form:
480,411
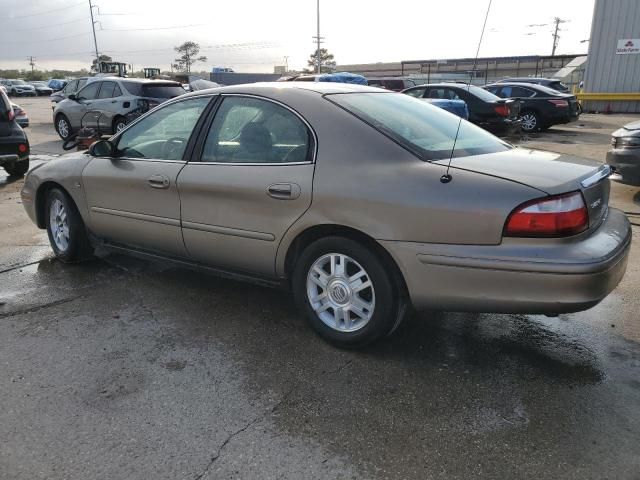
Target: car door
76,109
104,108
252,180
132,197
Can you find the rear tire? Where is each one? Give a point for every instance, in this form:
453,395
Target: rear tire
17,168
119,124
530,121
65,228
346,292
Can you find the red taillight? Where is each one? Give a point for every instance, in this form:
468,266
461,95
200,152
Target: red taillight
560,103
557,216
22,148
502,110
11,115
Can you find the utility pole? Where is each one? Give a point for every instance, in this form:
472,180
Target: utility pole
95,41
557,21
286,63
318,38
32,62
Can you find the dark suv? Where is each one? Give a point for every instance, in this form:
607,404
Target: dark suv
392,83
551,83
14,146
540,107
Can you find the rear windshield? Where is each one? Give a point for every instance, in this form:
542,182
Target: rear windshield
558,86
425,130
481,93
548,91
155,90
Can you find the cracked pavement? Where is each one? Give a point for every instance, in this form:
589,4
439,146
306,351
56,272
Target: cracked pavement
124,368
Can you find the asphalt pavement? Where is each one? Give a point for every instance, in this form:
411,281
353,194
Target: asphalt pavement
124,368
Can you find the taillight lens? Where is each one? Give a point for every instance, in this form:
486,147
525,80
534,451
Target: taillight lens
557,216
502,110
11,115
560,103
22,148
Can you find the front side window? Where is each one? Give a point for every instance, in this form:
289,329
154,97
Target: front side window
425,130
416,92
251,130
71,87
163,134
89,92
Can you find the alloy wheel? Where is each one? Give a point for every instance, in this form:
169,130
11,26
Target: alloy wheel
340,292
529,122
63,128
59,223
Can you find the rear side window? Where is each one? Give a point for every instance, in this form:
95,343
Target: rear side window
423,129
155,90
106,91
416,92
251,130
393,84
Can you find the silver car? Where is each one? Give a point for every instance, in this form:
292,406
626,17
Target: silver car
19,88
353,196
108,104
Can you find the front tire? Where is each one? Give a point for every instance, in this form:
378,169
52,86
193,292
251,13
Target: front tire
346,292
118,125
65,228
63,127
17,168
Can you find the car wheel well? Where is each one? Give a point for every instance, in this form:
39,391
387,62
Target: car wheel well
115,120
317,232
41,200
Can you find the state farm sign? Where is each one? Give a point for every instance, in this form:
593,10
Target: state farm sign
627,46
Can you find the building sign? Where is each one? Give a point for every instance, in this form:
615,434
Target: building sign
627,46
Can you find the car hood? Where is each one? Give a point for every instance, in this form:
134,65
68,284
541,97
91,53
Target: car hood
633,126
551,173
26,87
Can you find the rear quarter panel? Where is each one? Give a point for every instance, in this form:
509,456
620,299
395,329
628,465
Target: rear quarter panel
366,181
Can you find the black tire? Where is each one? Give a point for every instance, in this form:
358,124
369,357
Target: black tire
58,126
118,124
78,247
17,168
385,312
533,125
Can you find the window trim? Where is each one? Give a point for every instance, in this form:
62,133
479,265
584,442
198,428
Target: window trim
199,148
195,133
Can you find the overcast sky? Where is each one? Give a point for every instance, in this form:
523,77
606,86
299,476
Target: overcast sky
255,35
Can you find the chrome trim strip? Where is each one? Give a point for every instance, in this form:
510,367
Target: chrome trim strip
234,232
257,164
137,216
603,172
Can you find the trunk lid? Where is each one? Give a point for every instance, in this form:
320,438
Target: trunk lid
551,173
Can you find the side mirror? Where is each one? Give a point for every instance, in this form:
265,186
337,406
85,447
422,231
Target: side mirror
73,97
101,148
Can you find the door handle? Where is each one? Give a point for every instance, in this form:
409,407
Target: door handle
284,191
158,181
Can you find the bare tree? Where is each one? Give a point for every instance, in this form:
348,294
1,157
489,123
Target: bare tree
189,51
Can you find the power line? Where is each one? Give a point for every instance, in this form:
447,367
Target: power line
147,29
48,39
47,12
48,26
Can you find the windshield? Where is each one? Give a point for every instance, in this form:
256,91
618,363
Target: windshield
427,131
18,82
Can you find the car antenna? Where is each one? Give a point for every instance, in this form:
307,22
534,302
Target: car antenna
447,177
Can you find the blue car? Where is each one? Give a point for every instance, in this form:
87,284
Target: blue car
457,107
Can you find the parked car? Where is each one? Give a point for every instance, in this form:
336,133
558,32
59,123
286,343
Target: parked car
41,88
540,107
56,84
394,84
20,115
109,103
14,145
624,156
69,89
352,196
457,107
552,83
486,110
19,88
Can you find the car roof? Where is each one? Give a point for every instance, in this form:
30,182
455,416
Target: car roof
318,87
514,84
524,79
143,81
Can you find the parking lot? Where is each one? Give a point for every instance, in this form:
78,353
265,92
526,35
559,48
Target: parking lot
124,368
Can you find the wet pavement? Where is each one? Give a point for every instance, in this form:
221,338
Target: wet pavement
123,368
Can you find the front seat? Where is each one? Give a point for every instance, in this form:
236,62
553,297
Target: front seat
256,144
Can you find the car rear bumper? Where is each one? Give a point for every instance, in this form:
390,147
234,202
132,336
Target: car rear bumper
503,126
626,165
520,275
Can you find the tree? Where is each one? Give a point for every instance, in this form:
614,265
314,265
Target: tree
327,63
103,58
189,51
